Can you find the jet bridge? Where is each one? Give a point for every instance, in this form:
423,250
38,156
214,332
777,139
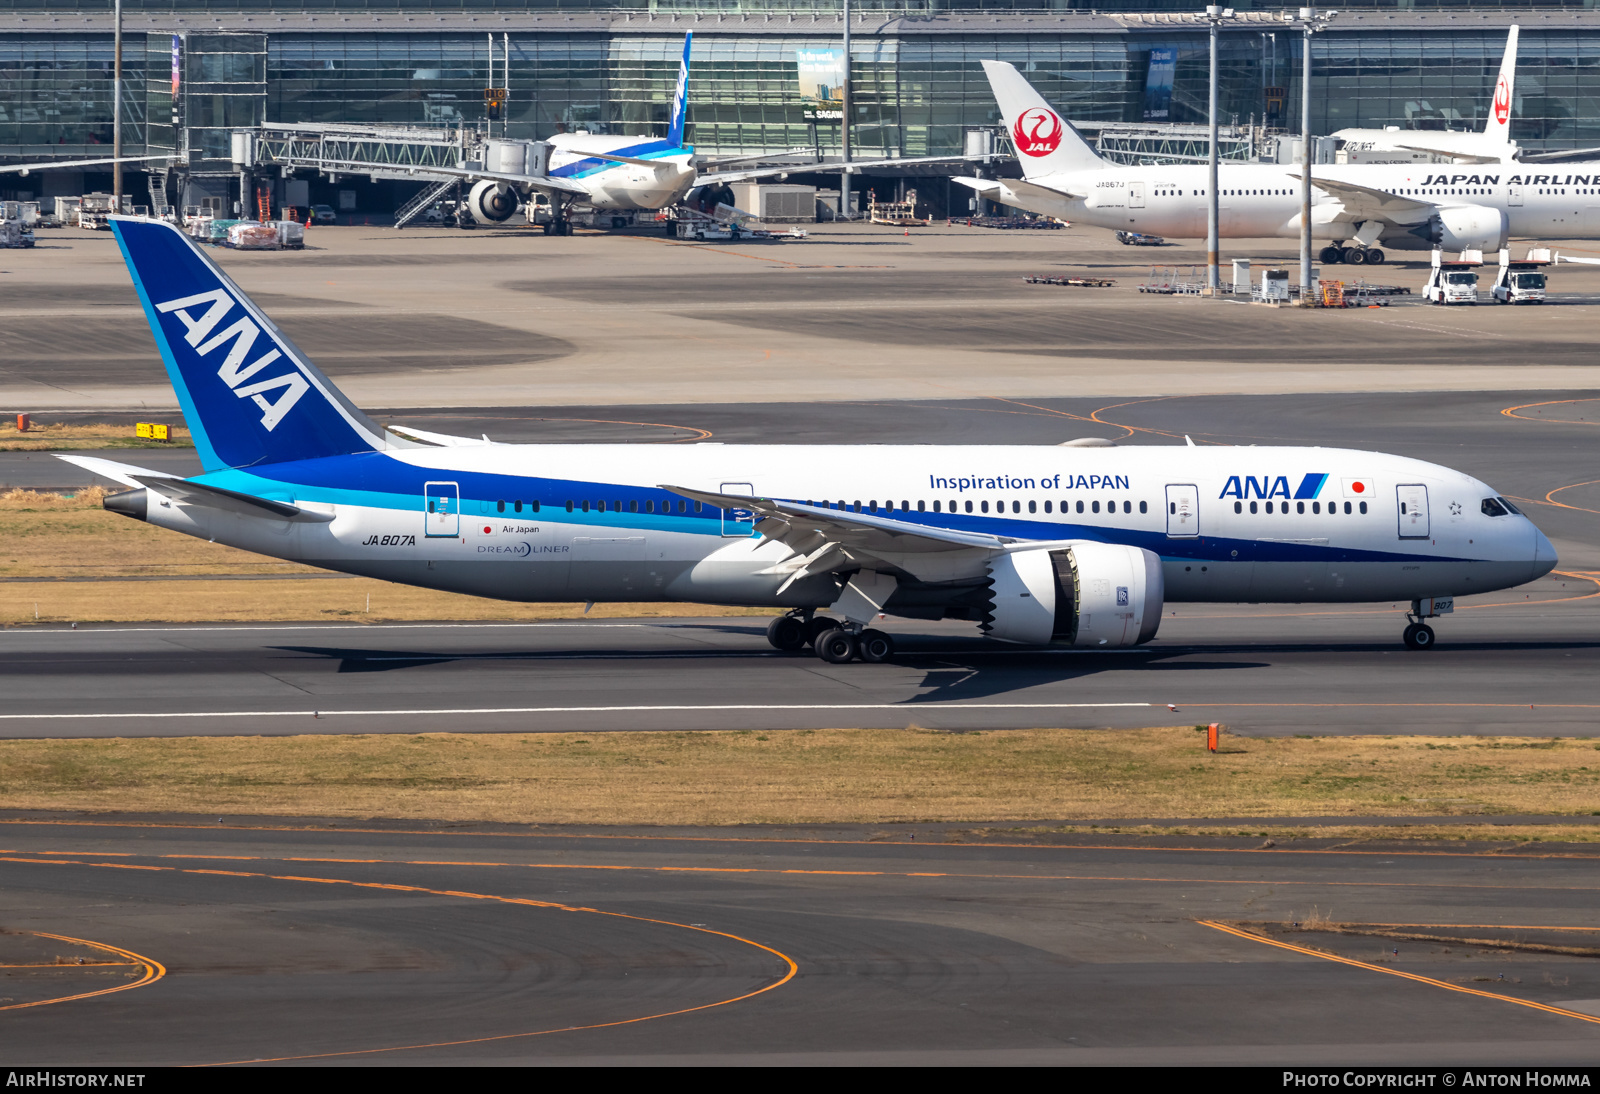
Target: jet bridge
442,157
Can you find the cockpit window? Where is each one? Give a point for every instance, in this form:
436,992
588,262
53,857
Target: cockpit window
1509,507
1492,508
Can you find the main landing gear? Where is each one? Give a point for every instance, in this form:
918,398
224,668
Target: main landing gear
1352,256
836,642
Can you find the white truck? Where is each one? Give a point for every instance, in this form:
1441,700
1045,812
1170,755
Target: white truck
1521,282
1454,282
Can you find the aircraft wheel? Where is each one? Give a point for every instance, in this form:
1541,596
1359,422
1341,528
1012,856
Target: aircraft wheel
835,646
1330,256
786,633
816,626
1354,256
1419,636
876,647
1375,256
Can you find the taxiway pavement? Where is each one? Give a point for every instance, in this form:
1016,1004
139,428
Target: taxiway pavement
299,942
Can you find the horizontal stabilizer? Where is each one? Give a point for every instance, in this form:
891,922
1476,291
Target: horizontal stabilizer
443,440
187,492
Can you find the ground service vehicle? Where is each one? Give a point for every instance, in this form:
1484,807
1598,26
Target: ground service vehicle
1453,282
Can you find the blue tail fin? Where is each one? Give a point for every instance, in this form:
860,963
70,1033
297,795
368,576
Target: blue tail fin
680,99
249,395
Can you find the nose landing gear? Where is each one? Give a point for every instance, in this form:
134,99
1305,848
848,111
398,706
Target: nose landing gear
1418,635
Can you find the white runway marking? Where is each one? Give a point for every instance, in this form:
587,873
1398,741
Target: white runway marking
570,710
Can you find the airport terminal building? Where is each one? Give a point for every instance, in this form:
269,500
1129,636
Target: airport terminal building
195,70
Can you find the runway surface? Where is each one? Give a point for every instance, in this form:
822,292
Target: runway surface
1518,663
282,941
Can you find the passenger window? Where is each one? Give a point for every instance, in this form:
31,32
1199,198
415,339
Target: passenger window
1047,507
858,505
1269,507
922,507
1095,506
516,506
1127,507
569,505
1238,507
1016,507
616,507
649,507
534,506
1363,508
1347,509
585,507
969,506
905,506
633,506
984,506
1033,507
872,506
430,505
936,506
501,506
698,506
1316,507
1080,507
1144,507
1252,507
600,506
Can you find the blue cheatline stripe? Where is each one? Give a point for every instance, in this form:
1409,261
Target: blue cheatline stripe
387,483
650,150
1310,487
191,414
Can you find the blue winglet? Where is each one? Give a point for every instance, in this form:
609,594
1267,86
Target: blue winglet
680,99
249,395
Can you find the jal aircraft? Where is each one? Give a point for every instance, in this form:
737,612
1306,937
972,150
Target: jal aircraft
1071,546
1361,208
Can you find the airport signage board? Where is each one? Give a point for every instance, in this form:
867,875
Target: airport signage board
1158,83
821,76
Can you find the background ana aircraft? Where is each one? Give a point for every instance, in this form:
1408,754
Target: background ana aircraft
1074,546
1363,208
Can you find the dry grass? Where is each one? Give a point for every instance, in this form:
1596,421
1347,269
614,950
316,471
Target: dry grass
823,776
71,536
55,437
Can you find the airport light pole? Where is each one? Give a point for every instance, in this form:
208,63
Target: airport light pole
1311,22
116,113
1215,15
844,120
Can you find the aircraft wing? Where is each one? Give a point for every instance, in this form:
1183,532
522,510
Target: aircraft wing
1561,155
989,188
1458,155
823,539
1371,203
198,493
815,168
24,168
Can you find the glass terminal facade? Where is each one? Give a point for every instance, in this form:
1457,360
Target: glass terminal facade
917,83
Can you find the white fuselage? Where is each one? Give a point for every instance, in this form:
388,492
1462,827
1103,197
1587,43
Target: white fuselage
592,522
618,186
1263,200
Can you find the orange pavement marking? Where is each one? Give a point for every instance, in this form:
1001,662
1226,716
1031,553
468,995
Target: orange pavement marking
793,969
1397,972
1511,412
153,970
746,870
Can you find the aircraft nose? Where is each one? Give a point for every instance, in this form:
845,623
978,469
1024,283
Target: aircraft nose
1544,554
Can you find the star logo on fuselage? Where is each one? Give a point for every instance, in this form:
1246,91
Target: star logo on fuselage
1455,509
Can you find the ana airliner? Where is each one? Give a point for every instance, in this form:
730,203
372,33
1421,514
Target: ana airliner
1362,208
1076,546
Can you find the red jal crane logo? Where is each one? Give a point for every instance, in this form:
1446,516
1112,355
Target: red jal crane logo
1502,101
1037,132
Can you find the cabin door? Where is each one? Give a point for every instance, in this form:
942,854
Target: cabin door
1183,510
441,505
1413,499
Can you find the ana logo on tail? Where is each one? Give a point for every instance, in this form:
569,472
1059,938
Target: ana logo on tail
1502,101
234,371
1037,132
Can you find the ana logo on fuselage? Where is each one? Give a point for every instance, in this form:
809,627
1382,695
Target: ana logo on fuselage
234,371
1269,486
1037,132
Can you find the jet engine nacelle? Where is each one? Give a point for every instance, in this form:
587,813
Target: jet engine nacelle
491,202
1099,595
1469,228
